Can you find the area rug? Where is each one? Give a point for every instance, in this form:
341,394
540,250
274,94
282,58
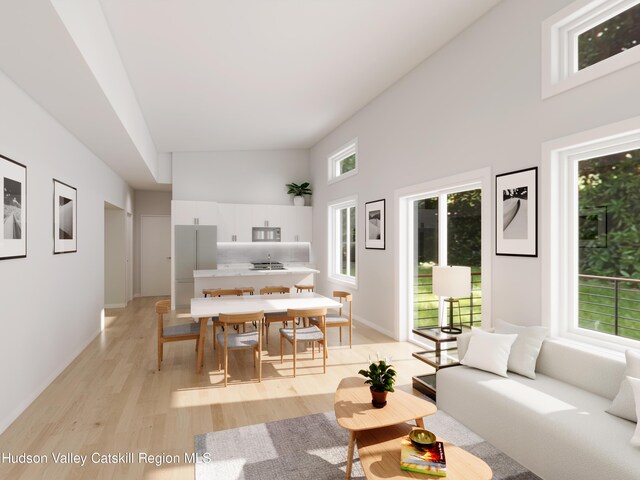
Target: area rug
315,447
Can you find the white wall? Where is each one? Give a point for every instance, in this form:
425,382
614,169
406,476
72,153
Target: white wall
50,305
146,203
475,103
256,176
115,257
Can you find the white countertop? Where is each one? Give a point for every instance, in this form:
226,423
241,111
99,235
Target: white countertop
245,271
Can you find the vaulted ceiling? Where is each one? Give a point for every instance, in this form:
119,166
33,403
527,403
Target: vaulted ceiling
134,79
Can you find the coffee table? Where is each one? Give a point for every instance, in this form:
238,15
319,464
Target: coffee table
355,413
379,451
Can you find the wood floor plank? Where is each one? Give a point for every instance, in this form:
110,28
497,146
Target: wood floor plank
111,399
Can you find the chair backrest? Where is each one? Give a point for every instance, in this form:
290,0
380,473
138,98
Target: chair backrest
306,313
240,318
225,292
344,297
244,290
163,306
303,288
270,290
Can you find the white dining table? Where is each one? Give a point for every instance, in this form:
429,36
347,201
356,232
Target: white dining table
202,309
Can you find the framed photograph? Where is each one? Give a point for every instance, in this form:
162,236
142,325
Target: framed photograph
374,230
13,241
65,218
517,213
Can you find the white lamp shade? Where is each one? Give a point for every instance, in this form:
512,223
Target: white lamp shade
452,281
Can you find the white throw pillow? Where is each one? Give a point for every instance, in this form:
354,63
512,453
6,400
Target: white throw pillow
623,405
462,343
489,352
635,387
526,348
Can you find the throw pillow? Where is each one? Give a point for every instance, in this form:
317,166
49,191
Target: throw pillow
489,352
526,348
462,343
635,386
623,405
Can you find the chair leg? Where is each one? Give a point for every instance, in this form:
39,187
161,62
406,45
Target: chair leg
313,350
266,332
160,345
219,360
350,334
340,328
226,363
281,346
324,356
259,365
294,358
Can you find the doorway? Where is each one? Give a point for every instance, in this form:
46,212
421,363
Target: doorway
115,257
155,249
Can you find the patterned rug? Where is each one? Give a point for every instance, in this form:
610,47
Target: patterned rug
315,447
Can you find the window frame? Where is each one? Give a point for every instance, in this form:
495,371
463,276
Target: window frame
346,150
334,240
560,45
560,245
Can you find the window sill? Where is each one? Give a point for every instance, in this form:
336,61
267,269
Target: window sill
344,176
345,281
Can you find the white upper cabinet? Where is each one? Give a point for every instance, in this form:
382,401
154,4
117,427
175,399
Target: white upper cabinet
296,224
188,212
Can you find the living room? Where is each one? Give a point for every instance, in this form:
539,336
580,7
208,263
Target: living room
475,108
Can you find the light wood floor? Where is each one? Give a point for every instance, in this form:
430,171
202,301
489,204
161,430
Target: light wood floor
111,399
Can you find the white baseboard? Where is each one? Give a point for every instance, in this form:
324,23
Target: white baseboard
374,326
9,419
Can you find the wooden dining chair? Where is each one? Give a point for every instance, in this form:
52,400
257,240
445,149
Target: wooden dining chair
174,333
221,292
303,288
313,333
342,318
270,318
237,341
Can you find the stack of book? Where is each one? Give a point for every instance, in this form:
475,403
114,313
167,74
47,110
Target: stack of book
428,460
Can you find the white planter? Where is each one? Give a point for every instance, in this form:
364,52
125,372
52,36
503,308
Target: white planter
298,201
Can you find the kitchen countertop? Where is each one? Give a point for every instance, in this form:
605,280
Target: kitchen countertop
245,271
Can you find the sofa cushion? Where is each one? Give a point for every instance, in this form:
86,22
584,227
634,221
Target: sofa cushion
489,351
635,386
525,350
623,405
555,429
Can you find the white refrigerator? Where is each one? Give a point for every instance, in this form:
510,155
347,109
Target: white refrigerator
195,249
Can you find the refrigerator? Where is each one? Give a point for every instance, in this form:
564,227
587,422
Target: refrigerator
195,249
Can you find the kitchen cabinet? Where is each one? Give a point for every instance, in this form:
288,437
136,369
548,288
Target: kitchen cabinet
234,222
296,224
189,212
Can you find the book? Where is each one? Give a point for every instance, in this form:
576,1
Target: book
430,460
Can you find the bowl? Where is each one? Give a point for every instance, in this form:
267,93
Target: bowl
421,438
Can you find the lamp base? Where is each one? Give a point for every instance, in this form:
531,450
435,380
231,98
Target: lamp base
450,328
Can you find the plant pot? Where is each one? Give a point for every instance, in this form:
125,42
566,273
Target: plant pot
298,201
378,399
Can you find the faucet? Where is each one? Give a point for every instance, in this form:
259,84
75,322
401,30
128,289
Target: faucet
269,258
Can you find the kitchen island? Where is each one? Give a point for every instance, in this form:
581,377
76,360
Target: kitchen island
235,276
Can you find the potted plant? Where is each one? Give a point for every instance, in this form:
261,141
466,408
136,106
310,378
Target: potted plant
381,377
298,191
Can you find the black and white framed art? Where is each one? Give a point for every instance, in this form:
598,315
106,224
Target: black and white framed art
517,213
13,241
65,218
374,233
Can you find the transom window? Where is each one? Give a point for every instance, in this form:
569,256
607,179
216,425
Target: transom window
587,40
344,162
343,241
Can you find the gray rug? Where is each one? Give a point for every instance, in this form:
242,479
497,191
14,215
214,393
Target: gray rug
315,447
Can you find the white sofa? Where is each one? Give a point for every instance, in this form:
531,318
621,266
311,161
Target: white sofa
555,425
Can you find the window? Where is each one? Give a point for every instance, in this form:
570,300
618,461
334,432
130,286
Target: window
589,39
594,237
443,222
344,162
342,241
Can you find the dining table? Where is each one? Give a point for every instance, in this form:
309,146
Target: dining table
203,309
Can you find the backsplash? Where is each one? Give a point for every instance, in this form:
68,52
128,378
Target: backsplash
285,252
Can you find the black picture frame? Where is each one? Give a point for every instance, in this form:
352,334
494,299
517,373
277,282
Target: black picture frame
517,213
375,225
13,177
65,218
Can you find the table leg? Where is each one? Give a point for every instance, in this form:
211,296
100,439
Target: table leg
420,422
203,332
352,443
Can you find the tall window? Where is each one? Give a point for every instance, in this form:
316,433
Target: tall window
344,162
584,42
342,241
595,239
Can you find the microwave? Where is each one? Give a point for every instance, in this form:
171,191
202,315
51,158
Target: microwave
265,234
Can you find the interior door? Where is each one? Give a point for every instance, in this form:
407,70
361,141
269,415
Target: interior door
156,255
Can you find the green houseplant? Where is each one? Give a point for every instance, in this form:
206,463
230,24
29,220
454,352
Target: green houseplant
298,191
380,376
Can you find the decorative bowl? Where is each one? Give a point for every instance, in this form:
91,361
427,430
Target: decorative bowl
421,438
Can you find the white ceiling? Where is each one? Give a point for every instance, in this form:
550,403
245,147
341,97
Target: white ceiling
225,75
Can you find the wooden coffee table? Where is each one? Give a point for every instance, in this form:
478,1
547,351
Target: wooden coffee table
355,413
379,451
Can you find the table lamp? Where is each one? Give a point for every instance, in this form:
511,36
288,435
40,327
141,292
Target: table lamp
452,283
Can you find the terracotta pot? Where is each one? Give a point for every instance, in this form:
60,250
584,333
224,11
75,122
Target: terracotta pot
378,399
